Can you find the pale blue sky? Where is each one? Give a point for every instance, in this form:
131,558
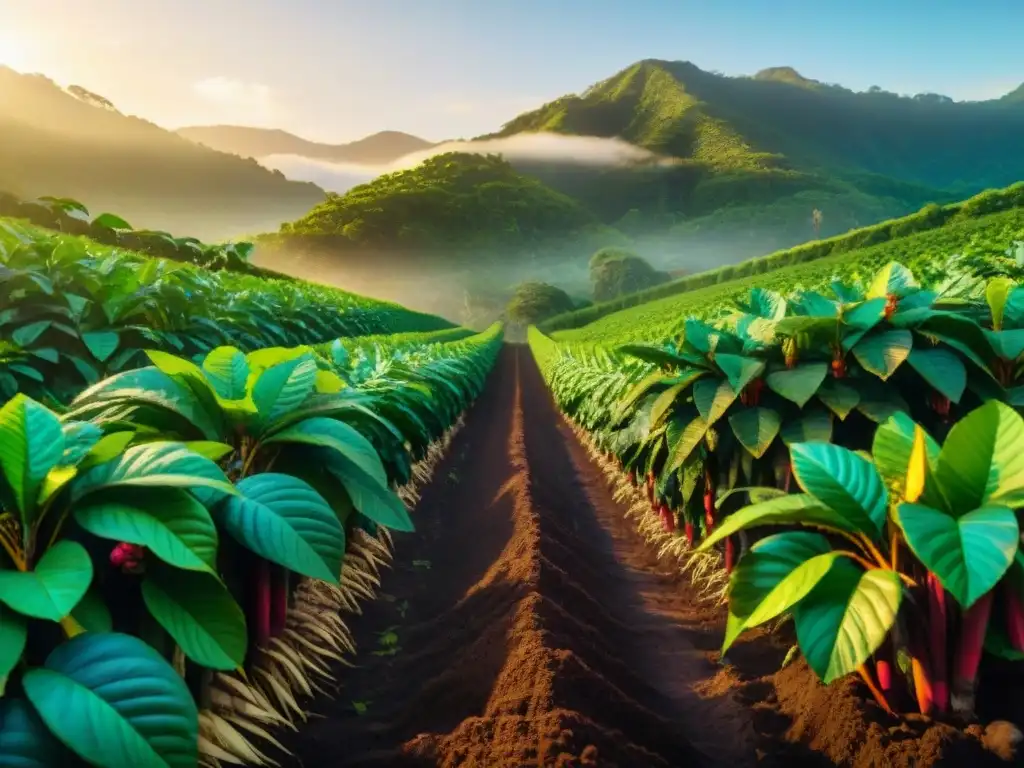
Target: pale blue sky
336,70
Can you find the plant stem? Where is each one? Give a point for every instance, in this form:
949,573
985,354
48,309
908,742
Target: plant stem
879,696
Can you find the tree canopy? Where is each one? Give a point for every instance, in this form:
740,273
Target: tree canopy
533,302
616,271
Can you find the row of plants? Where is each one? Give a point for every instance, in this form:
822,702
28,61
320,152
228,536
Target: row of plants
932,229
73,312
64,214
716,424
990,246
176,546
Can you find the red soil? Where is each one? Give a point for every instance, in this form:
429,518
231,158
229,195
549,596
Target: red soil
535,628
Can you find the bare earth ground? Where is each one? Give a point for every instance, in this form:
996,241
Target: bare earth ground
527,624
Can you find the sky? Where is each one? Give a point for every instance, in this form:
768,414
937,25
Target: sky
337,70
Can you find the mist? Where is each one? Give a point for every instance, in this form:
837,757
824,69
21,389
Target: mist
536,147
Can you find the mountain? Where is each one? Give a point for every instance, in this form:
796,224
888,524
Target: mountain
74,143
377,149
780,121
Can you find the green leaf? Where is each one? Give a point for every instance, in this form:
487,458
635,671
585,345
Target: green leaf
739,369
997,291
53,587
200,615
815,426
840,398
791,509
92,613
79,438
209,449
158,464
170,522
893,278
25,335
713,398
337,436
891,449
882,353
116,702
284,387
846,617
981,463
228,372
843,481
969,553
31,444
943,370
682,442
284,520
777,573
26,742
664,402
13,637
370,496
111,221
755,428
102,344
799,384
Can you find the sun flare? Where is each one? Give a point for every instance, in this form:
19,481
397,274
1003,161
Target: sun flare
14,53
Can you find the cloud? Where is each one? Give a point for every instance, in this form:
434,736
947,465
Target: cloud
236,95
538,147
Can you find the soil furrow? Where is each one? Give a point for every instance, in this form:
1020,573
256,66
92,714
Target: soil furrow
521,635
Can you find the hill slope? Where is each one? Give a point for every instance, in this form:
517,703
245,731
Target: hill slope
379,148
981,228
80,146
450,201
779,120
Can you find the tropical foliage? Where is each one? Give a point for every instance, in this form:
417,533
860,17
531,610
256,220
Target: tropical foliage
72,312
176,546
800,387
980,228
66,215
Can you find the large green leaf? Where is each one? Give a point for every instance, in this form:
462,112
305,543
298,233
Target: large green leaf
227,371
755,428
739,369
982,461
882,353
840,398
284,520
894,278
13,637
777,573
80,437
969,553
844,481
943,370
53,587
799,384
115,701
158,464
846,617
284,387
791,509
337,436
370,496
26,742
170,522
200,615
814,426
713,398
31,444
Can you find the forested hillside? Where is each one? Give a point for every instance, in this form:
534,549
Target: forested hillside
73,143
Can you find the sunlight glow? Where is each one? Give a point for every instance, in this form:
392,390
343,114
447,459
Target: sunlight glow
15,52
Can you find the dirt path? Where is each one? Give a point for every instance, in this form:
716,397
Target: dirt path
527,624
529,629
